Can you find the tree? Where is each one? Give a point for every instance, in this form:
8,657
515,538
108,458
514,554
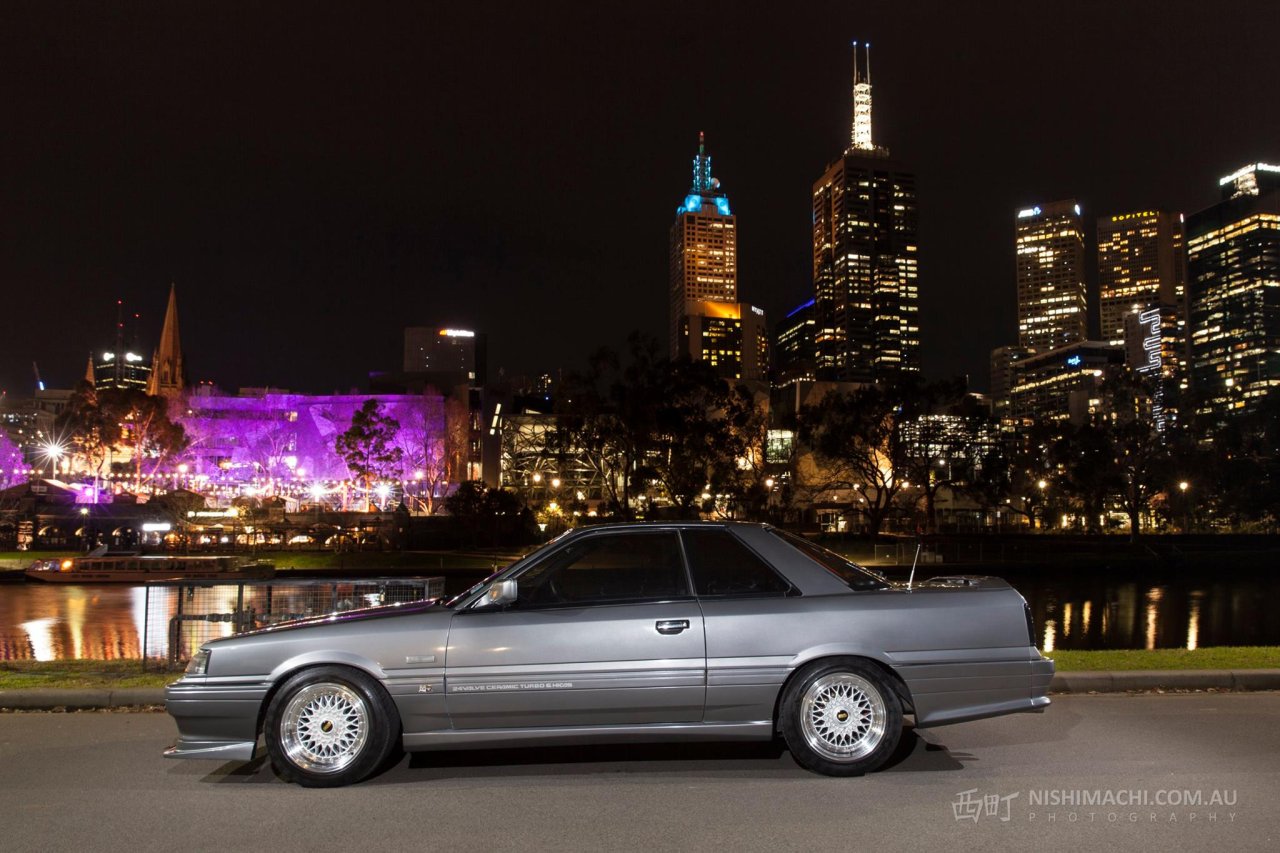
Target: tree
1008,474
943,429
87,427
424,441
479,509
691,444
146,430
1247,466
13,465
121,419
368,445
857,440
747,430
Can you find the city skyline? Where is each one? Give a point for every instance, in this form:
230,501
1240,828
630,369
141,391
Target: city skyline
292,189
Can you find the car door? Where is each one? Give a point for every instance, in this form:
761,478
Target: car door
752,636
605,631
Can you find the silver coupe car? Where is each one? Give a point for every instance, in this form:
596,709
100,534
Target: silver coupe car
623,633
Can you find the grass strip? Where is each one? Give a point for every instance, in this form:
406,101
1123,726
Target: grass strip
105,674
1214,657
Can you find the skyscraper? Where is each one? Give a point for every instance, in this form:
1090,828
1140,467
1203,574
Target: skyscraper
729,336
704,248
1141,265
795,355
122,366
865,256
707,322
1233,260
1050,273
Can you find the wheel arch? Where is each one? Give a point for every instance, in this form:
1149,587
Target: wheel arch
316,660
808,660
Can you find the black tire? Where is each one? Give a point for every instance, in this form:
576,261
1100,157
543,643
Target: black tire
330,726
841,717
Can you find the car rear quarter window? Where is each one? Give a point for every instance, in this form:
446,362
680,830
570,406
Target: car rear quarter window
721,565
851,573
608,568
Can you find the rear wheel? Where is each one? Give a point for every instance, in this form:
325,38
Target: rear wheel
841,717
330,726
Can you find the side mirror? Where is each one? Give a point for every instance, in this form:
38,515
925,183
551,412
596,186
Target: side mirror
500,593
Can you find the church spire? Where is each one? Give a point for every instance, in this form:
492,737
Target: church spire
166,364
88,371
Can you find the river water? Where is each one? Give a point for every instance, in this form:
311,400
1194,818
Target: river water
1089,611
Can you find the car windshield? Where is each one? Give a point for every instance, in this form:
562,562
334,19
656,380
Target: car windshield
851,573
505,570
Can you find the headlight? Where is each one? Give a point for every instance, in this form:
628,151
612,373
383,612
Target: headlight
198,664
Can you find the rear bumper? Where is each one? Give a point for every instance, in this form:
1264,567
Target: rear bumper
1041,677
215,721
959,692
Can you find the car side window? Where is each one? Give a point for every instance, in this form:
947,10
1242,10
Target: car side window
607,568
722,565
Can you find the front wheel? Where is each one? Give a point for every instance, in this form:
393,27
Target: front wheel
330,726
841,717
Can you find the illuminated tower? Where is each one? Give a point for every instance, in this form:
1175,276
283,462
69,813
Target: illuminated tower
704,248
122,367
865,255
167,379
1050,273
1233,260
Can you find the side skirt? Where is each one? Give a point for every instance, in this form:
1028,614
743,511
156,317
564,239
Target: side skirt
550,736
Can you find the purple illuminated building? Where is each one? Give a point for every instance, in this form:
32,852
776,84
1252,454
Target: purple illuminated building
262,436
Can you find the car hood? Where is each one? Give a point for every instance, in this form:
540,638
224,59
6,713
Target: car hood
364,614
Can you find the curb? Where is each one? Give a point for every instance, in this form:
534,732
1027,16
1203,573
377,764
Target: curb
1165,679
79,699
1063,682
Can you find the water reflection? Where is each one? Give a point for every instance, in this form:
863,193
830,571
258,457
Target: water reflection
1193,624
1154,595
52,622
1177,612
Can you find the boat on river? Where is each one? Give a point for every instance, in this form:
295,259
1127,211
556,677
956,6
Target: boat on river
136,568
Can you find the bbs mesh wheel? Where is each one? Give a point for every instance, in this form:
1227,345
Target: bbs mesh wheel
330,726
841,717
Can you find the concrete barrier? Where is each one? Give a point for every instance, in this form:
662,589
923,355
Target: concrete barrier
44,699
1166,679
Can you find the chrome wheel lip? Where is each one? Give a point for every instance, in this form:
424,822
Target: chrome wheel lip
324,727
843,717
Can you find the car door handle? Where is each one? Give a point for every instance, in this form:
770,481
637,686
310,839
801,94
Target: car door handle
671,626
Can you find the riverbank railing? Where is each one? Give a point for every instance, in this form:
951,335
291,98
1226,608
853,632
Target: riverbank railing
180,615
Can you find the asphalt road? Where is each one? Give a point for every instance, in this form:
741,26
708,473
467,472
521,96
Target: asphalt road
97,781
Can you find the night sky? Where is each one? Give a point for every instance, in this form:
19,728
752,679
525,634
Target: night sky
314,180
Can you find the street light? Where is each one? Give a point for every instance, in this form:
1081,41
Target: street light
53,451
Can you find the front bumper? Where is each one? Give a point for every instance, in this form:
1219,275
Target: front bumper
215,720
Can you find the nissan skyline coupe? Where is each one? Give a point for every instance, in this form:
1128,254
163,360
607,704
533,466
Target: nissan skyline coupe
623,633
